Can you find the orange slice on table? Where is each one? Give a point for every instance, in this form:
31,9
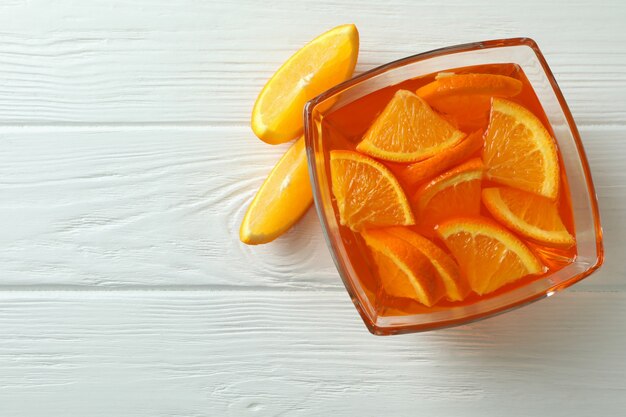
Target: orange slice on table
467,97
323,63
528,214
283,198
488,254
403,269
366,192
417,172
519,151
408,130
453,193
457,288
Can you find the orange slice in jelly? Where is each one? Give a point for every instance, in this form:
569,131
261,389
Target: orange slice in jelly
453,193
519,151
457,287
488,254
467,97
530,215
403,269
366,192
418,172
408,130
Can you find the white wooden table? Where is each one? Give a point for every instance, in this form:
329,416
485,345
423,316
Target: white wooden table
126,163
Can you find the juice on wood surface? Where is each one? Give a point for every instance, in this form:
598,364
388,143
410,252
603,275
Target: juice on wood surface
392,137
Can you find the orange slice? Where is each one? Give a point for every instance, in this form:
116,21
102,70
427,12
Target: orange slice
528,214
403,269
283,198
417,172
488,254
457,288
519,151
467,97
467,112
453,193
491,85
408,130
321,64
366,192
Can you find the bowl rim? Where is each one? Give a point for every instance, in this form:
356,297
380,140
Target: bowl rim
449,50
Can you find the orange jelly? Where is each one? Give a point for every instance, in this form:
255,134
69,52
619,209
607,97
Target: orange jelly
449,184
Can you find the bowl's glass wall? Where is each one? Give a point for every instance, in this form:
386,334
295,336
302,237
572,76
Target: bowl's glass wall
524,53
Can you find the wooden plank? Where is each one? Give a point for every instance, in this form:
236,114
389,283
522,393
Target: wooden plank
144,208
126,164
171,62
301,353
155,208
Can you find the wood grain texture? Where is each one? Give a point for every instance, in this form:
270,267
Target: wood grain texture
239,353
161,208
150,208
126,163
203,63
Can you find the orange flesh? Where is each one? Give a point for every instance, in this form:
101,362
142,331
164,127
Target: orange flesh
367,193
452,194
322,63
408,130
343,128
466,98
404,270
281,201
418,172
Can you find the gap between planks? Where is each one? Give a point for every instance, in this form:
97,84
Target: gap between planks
121,127
186,127
71,290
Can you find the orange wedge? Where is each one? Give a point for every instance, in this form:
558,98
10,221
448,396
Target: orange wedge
403,269
366,192
321,64
519,151
417,172
492,85
408,130
453,193
467,97
488,254
282,199
456,287
467,112
528,214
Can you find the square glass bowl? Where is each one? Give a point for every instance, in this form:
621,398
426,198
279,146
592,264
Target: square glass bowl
354,266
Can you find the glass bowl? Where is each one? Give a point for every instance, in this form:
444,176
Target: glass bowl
352,266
